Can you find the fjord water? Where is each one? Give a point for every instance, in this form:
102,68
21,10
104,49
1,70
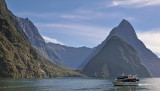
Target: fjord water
75,84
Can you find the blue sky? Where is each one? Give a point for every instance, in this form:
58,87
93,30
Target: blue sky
88,22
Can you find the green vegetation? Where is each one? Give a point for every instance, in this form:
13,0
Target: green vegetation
18,59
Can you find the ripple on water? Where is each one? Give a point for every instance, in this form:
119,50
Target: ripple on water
75,84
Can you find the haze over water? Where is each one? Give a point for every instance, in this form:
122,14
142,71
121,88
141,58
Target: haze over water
75,84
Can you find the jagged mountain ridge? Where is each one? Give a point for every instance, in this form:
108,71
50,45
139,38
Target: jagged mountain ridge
127,32
149,59
37,41
114,58
18,59
60,54
27,26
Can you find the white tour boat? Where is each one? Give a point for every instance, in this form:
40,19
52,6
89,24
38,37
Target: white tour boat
129,80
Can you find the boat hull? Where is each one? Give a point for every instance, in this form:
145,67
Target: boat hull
126,83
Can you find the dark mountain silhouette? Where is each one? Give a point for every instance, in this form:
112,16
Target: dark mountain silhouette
115,58
149,59
127,33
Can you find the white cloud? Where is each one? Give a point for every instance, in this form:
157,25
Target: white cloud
130,18
48,39
84,30
74,16
151,39
90,34
79,15
48,15
84,14
135,3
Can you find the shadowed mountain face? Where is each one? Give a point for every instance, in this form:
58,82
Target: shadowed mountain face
127,33
37,41
18,59
28,28
149,59
116,57
71,57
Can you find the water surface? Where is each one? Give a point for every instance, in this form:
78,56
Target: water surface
75,84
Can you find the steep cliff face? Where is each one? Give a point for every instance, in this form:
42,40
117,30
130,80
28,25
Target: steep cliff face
115,58
127,33
71,57
18,59
31,31
149,59
37,41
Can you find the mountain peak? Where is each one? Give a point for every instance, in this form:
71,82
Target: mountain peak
124,20
124,30
26,19
3,7
125,23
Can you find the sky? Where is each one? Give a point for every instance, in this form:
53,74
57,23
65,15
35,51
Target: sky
87,23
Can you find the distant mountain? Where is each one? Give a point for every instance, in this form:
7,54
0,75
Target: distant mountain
18,59
72,57
127,32
149,59
115,58
37,41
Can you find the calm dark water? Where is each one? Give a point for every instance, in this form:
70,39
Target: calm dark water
75,84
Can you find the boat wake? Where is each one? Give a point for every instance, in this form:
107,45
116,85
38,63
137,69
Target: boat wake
144,84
